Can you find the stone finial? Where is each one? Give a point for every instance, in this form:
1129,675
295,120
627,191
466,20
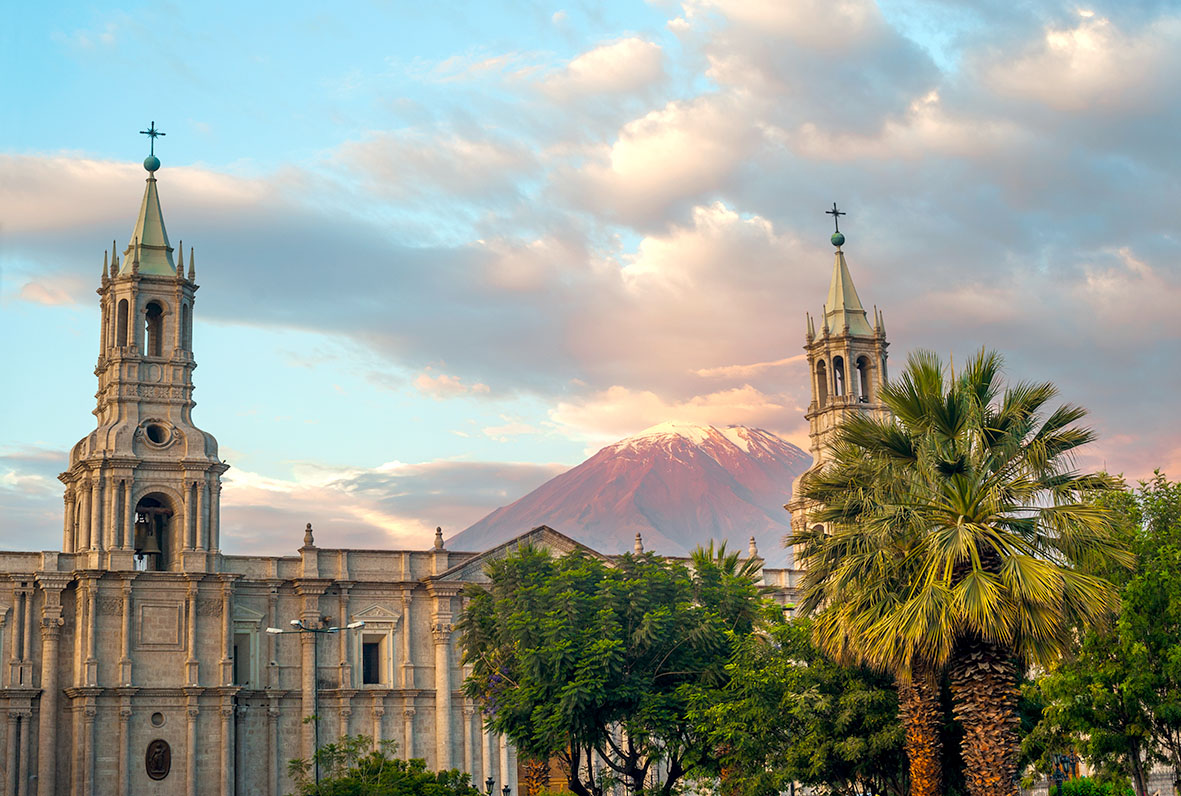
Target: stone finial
439,538
106,267
114,259
754,548
180,261
639,546
192,265
308,540
135,257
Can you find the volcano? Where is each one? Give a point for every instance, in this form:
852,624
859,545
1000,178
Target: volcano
678,485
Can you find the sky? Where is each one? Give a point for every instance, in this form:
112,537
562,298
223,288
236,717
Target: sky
447,251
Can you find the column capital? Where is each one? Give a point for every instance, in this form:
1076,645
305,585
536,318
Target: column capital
442,632
408,712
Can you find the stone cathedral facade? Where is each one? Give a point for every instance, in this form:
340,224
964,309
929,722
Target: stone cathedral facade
136,659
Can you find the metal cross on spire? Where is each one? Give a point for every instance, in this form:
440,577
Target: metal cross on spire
153,133
836,215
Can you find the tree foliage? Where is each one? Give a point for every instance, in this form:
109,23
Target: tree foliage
789,713
953,530
594,662
353,767
1118,699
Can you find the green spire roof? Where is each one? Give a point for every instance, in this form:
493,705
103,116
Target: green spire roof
843,307
155,253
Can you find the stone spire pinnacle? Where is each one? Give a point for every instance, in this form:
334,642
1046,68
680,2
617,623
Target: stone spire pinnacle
155,252
843,308
639,545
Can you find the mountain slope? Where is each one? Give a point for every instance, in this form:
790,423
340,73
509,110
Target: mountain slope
678,485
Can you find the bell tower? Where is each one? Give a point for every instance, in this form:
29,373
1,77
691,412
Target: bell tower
846,364
142,490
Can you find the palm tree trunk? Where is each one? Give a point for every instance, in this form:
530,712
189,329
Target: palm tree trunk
983,679
918,704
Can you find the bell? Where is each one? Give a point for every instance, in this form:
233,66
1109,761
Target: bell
151,543
146,542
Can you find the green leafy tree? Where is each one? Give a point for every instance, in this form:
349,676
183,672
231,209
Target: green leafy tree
1118,699
791,714
354,767
968,525
594,662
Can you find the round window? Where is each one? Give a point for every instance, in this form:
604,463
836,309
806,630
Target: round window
156,433
157,719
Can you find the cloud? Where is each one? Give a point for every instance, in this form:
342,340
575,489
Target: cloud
1092,67
445,386
625,66
618,412
395,505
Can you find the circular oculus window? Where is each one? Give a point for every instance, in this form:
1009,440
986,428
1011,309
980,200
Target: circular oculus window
157,433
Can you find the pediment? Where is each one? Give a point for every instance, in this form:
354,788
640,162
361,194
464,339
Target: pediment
244,613
376,613
472,570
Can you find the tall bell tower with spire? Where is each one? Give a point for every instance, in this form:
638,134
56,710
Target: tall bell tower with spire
142,490
846,364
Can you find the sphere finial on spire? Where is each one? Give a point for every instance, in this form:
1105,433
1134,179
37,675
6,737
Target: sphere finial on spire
838,239
151,162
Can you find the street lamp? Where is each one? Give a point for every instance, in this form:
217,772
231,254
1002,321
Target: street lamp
489,784
1063,765
297,626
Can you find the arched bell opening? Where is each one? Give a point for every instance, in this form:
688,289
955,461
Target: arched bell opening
838,376
154,329
154,542
821,384
863,379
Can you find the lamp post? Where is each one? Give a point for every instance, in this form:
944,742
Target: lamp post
489,784
1063,765
297,626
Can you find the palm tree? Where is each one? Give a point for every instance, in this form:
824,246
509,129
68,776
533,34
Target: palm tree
854,575
952,533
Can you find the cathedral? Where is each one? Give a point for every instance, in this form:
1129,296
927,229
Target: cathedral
141,658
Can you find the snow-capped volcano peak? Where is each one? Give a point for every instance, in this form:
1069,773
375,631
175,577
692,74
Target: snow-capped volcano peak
680,484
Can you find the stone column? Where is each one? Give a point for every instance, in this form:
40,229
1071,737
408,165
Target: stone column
51,624
227,746
344,714
125,746
22,785
128,516
310,590
192,665
273,619
191,747
345,638
68,523
468,757
273,777
84,516
96,514
488,763
189,540
202,501
125,634
505,774
10,752
442,634
110,515
90,712
378,715
406,678
215,517
227,630
27,643
408,731
91,630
